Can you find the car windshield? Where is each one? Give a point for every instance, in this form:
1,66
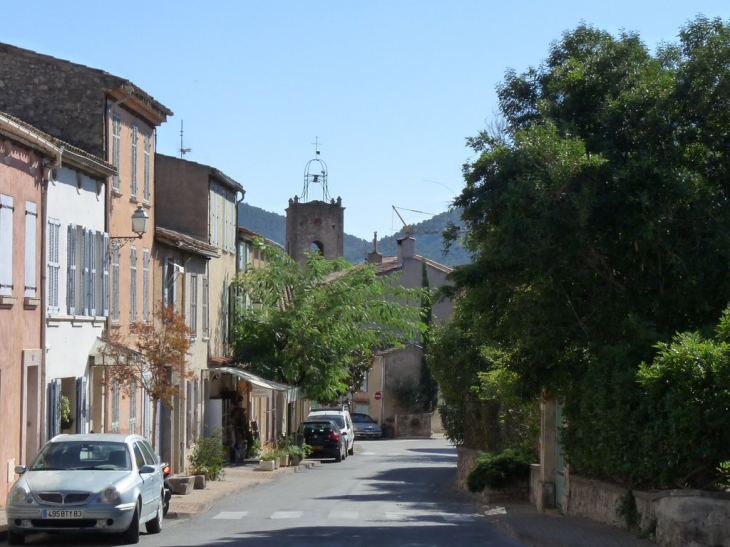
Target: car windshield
79,455
319,428
362,419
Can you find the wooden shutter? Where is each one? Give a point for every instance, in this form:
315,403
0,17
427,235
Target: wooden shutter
71,277
31,223
81,405
105,275
6,245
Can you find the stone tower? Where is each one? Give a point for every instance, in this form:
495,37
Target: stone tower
316,224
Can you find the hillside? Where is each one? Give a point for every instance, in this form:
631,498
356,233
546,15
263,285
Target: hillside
427,234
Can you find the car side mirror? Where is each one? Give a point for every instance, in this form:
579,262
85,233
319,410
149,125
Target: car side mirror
147,469
20,469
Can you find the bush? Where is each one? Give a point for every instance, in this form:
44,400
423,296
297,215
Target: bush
500,470
208,456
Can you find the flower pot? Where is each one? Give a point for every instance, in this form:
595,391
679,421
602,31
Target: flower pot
284,461
295,460
267,465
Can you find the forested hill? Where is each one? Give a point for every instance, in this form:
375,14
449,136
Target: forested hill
427,234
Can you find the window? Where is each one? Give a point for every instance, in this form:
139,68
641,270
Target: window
147,148
6,245
116,147
71,276
54,264
214,216
115,407
224,200
104,256
224,310
31,221
133,284
206,295
149,455
133,165
145,285
169,285
364,386
115,284
194,304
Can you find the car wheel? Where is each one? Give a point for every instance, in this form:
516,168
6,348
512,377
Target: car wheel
351,452
338,456
131,536
15,539
154,526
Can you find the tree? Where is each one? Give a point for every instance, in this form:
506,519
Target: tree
600,217
319,326
153,357
600,227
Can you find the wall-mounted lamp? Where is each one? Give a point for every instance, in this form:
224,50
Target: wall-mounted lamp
140,218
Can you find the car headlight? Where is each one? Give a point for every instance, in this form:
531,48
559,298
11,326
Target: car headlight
110,494
18,495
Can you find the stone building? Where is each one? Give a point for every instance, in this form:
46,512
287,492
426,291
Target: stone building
111,118
196,262
316,224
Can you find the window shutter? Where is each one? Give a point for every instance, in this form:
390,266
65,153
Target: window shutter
81,405
53,264
105,275
6,245
31,222
71,281
93,236
146,284
54,408
84,239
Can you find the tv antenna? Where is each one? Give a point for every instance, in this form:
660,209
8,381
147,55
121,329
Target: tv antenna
183,150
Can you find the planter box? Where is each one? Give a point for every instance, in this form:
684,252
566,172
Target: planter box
284,461
267,465
182,485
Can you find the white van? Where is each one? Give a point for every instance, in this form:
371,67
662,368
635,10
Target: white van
346,426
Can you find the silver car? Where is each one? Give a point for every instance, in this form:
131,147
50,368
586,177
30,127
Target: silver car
97,483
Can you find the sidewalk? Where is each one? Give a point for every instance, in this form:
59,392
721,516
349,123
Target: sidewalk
520,521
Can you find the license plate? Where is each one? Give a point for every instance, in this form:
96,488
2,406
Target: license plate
316,448
62,514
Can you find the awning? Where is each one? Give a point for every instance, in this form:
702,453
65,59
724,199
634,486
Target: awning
292,393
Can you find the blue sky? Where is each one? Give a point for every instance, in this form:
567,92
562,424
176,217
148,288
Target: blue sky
389,88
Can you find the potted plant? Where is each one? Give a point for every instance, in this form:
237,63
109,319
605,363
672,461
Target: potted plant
268,461
208,457
283,454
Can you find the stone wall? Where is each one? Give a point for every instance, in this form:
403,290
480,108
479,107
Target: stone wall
413,425
64,99
679,518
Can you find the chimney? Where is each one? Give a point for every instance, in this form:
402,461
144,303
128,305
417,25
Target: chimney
375,257
406,248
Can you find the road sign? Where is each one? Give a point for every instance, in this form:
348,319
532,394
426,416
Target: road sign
378,395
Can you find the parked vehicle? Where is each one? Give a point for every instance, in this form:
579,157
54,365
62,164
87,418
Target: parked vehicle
366,427
105,483
166,470
344,422
325,438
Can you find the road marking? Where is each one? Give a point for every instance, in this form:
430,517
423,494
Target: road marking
367,453
450,517
287,515
344,514
231,515
395,516
394,454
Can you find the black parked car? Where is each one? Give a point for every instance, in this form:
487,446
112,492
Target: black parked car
325,438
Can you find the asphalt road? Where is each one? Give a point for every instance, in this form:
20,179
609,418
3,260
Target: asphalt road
394,492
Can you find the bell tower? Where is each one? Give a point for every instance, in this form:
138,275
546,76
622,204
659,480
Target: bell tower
315,224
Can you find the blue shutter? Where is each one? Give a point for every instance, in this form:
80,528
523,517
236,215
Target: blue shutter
71,278
81,406
54,408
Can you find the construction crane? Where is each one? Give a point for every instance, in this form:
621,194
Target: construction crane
406,228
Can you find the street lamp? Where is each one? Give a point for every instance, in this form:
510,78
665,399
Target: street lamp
140,218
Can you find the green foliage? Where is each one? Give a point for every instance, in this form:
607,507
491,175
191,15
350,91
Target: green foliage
270,456
319,327
208,456
254,448
628,511
67,421
598,224
501,470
